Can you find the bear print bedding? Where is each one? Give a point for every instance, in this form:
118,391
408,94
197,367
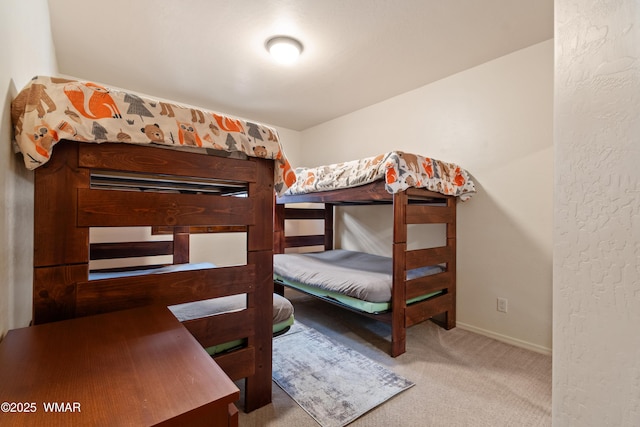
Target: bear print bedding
400,171
50,109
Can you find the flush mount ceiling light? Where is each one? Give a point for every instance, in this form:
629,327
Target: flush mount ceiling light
285,50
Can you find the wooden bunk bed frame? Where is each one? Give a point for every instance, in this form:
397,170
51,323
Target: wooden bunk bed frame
67,205
411,206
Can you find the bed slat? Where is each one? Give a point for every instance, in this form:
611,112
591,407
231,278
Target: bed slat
100,296
302,241
430,256
420,311
153,159
130,249
107,208
420,214
292,213
222,328
238,364
427,284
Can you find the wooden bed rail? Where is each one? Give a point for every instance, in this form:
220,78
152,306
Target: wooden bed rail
130,249
178,247
104,295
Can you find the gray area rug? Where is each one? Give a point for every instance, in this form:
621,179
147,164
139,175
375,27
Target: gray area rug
332,383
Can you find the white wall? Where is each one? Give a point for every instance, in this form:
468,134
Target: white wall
496,120
26,51
230,248
596,357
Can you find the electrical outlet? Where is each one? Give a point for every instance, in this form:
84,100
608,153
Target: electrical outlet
502,305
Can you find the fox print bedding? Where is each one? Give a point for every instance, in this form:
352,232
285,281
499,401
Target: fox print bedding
400,171
50,109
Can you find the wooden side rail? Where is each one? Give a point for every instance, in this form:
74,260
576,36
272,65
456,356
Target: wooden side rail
130,249
222,328
427,284
108,208
101,296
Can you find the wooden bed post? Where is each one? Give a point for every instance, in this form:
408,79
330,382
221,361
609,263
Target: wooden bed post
278,229
61,250
260,254
181,245
328,226
450,316
398,289
279,239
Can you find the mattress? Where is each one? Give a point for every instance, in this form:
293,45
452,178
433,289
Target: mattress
98,275
400,171
282,308
357,279
282,315
50,109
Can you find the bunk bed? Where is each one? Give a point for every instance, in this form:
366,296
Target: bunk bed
110,158
409,287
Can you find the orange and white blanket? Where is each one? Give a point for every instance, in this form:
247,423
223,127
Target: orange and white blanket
400,171
50,109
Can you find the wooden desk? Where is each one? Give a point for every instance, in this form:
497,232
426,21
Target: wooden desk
135,367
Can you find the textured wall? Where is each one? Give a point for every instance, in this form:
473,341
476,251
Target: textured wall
596,357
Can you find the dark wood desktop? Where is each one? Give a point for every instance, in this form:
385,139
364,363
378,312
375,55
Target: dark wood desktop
137,367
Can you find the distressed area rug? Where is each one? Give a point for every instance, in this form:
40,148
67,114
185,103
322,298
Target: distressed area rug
333,383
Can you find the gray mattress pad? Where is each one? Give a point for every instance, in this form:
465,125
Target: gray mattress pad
359,275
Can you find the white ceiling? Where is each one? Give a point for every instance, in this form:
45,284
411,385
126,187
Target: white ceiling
210,53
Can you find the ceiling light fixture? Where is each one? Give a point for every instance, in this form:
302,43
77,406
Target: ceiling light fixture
285,50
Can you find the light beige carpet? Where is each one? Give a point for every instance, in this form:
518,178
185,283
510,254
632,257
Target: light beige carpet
462,379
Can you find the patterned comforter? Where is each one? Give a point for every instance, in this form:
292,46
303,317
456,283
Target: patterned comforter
50,109
399,170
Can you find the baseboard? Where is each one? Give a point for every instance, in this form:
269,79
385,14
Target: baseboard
506,339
